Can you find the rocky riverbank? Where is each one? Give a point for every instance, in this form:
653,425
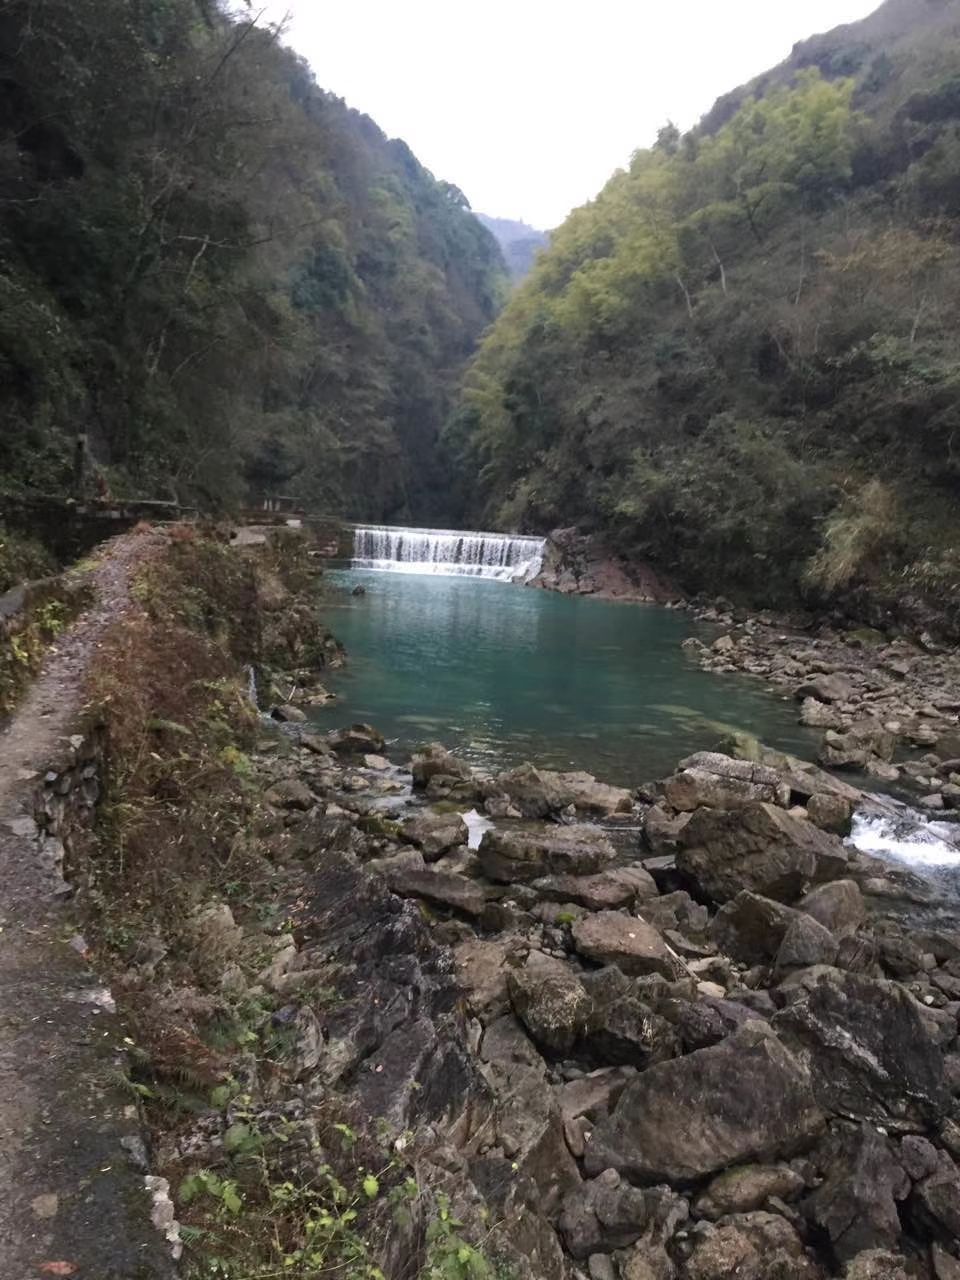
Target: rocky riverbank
887,707
680,1035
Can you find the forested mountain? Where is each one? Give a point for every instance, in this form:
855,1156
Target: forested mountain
226,277
742,360
519,242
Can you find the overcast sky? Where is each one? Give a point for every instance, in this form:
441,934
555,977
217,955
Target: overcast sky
529,105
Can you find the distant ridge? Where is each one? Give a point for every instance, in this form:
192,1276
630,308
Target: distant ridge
519,242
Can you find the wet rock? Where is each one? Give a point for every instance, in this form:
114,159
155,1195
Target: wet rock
316,745
290,793
719,781
623,1028
806,942
759,847
747,1187
681,1120
635,947
838,906
751,928
539,793
442,888
618,887
525,854
434,760
550,1001
867,1049
435,833
856,1204
357,740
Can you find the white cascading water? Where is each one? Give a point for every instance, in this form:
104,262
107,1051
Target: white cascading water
446,552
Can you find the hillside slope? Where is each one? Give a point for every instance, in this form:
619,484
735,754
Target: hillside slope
741,360
225,277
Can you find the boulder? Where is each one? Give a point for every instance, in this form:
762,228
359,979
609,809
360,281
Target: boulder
290,793
357,740
442,888
869,1054
436,759
825,688
751,928
529,853
286,713
860,742
635,947
748,1246
607,1213
837,905
855,1206
935,1203
720,782
607,890
830,813
707,1021
540,793
819,715
550,1000
676,911
661,829
622,1027
805,943
760,847
482,965
747,1187
747,1098
435,833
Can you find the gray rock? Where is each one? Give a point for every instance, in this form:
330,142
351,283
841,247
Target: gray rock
550,1000
830,813
721,782
751,928
748,1246
806,942
879,1264
759,847
681,1120
838,906
868,1052
288,714
443,888
747,1187
435,833
623,1028
290,793
357,740
524,854
856,1204
434,760
482,966
701,1023
606,1214
635,947
826,688
539,793
607,890
595,1091
935,1203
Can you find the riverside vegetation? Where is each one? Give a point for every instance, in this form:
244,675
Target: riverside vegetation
678,1032
739,363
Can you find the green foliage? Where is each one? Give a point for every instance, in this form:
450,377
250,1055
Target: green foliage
750,325
226,278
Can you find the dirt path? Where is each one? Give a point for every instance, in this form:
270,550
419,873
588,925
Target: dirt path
72,1195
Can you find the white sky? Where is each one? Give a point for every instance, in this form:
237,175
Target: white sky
530,105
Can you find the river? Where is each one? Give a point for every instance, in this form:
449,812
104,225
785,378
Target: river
502,674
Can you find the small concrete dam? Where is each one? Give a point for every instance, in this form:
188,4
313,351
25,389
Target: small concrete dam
446,552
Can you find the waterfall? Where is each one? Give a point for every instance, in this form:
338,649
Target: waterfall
446,552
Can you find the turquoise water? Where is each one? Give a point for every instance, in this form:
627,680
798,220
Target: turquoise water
502,674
